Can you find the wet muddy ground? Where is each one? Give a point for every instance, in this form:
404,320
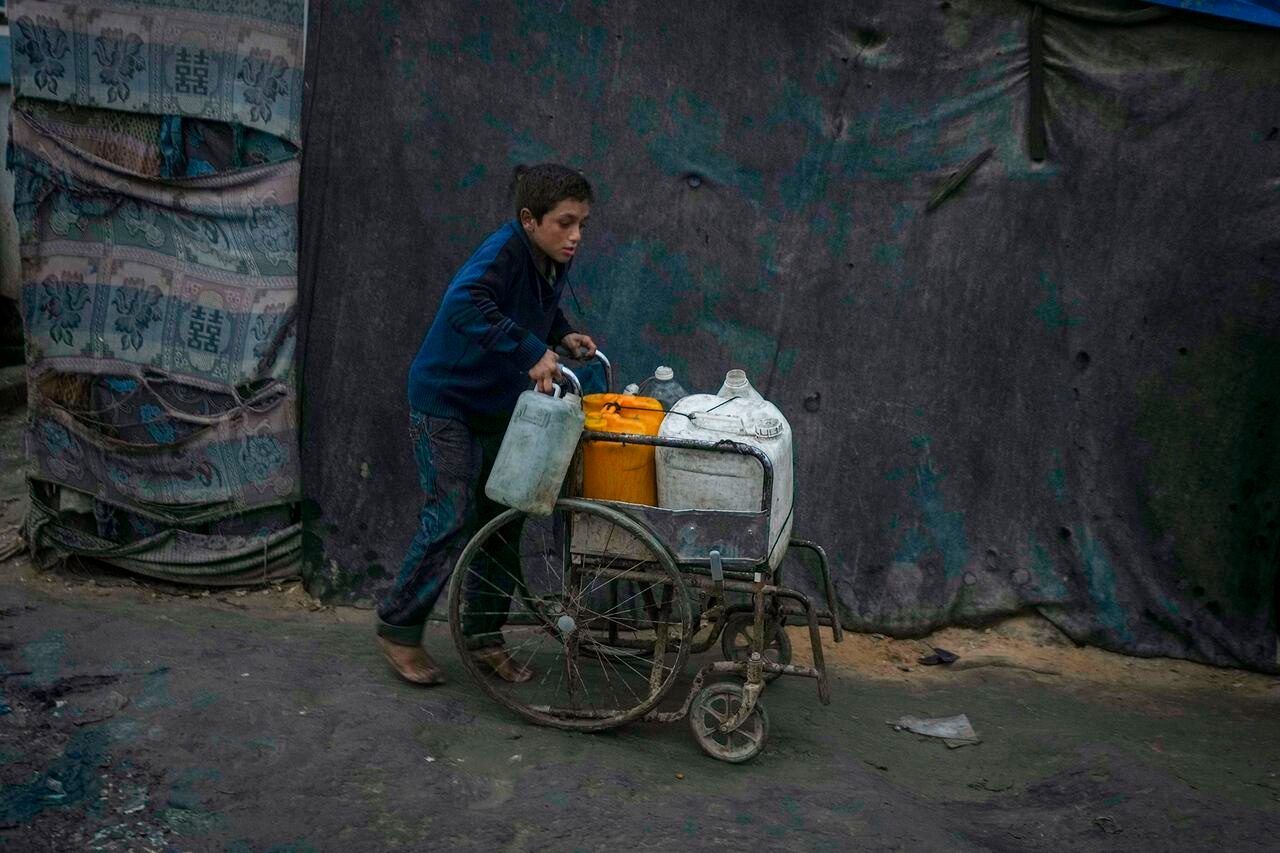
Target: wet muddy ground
136,716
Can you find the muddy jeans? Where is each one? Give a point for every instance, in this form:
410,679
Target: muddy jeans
453,465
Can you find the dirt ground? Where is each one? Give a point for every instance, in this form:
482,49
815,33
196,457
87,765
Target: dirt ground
145,717
148,717
1029,644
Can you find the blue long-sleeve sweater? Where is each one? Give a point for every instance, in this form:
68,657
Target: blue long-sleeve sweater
498,316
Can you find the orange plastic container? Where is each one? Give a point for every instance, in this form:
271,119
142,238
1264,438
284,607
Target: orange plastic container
620,472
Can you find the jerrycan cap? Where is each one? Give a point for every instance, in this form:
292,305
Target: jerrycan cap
768,428
736,379
663,373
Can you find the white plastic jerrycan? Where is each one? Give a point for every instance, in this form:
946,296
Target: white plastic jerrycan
698,479
736,384
536,451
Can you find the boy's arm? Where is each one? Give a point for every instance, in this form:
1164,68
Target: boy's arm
580,345
562,334
471,309
559,328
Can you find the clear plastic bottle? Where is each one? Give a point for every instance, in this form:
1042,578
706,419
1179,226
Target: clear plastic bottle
665,389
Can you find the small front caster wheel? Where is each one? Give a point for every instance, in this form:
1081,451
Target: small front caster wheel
737,640
713,705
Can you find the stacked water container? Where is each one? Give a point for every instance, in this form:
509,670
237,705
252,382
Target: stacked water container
698,479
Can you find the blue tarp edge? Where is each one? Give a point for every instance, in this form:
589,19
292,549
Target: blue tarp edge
1265,13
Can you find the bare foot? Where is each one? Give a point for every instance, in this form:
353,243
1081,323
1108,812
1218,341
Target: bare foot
411,662
503,664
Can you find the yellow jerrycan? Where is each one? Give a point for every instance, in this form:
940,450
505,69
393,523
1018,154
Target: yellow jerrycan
620,472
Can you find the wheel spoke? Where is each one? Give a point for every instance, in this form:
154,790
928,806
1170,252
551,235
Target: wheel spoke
633,597
714,705
579,680
612,575
606,663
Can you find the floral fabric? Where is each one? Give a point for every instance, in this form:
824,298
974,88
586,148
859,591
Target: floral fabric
219,60
153,147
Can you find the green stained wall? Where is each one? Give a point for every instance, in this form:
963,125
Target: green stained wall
1053,390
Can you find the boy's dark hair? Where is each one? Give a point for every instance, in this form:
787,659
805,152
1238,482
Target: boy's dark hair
545,185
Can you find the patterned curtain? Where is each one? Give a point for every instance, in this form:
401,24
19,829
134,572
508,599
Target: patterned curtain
154,146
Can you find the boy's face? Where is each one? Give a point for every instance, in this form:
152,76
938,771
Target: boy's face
558,234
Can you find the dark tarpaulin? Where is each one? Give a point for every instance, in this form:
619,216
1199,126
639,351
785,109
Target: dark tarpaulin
1009,272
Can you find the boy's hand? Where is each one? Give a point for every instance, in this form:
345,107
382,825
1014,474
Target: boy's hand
579,344
546,371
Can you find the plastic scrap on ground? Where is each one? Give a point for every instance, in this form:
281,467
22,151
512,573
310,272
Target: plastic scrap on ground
954,731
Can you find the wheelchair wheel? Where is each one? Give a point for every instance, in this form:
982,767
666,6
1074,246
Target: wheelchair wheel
739,631
588,599
714,704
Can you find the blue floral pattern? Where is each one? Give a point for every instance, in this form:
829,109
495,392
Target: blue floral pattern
148,57
124,263
62,304
67,213
265,330
121,58
261,456
141,220
123,386
137,307
264,80
158,425
44,44
56,438
272,230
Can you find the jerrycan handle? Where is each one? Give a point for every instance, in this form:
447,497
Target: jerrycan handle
608,371
573,380
581,355
565,373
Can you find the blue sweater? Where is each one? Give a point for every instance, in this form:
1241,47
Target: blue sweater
498,316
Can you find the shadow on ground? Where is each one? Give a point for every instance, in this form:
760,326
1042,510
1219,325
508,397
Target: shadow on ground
132,719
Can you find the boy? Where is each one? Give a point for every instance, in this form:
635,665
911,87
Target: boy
492,335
